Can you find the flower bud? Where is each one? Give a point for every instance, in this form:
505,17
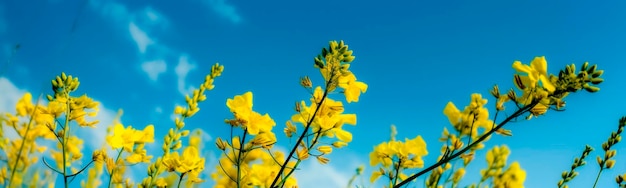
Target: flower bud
610,163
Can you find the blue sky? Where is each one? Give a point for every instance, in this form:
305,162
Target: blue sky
142,56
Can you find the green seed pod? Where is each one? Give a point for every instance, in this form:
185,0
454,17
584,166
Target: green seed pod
60,82
597,73
582,74
568,70
584,67
348,59
592,89
318,62
596,80
343,49
592,69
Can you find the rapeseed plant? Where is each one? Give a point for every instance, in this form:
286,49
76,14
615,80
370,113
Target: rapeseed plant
540,92
249,158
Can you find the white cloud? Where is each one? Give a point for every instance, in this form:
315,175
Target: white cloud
143,26
225,10
182,69
152,15
154,68
314,174
9,96
140,37
153,18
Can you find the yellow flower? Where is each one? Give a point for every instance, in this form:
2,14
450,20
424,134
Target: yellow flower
127,137
139,155
382,154
290,129
3,174
329,118
375,176
161,182
147,135
536,72
264,139
458,174
77,110
241,107
352,88
513,177
474,115
241,104
188,161
497,156
258,123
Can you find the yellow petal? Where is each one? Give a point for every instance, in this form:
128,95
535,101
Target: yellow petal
518,66
452,112
375,176
343,135
540,65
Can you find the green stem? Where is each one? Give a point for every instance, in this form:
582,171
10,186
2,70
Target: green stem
119,154
289,174
66,130
180,179
306,129
166,152
597,177
80,171
19,153
239,158
483,137
395,179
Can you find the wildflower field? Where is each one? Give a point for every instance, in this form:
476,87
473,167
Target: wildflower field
223,94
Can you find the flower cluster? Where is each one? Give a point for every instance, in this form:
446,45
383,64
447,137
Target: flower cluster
253,167
402,155
540,92
172,141
239,163
249,158
123,140
578,162
20,153
467,122
322,121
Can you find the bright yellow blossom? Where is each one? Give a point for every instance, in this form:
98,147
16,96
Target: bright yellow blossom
127,137
402,154
188,161
535,73
513,177
253,122
329,118
352,88
474,115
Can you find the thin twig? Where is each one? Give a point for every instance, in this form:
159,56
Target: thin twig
483,137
